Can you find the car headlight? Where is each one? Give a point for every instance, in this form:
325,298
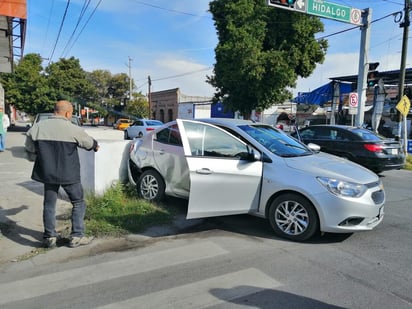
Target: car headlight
344,188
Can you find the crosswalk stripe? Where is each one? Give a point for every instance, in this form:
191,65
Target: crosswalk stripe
33,287
205,293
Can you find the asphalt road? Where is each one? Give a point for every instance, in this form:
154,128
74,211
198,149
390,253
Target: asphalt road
232,262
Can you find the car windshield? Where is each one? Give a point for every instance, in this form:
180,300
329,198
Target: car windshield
275,141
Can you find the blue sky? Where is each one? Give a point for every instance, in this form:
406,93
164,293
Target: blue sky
174,41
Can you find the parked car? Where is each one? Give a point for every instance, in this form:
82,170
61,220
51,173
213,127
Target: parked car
122,124
140,127
359,145
233,166
41,116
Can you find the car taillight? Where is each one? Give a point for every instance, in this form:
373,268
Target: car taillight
373,147
149,129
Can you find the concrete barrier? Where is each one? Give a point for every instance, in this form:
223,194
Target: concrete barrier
99,170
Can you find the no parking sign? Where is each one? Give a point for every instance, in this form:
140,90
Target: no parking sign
353,102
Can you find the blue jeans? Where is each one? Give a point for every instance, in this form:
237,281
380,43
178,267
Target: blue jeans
75,193
2,141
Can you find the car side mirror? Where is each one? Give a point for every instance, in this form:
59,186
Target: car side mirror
314,147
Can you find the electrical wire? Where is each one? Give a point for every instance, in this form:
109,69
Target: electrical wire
169,10
83,10
84,26
60,30
356,27
183,74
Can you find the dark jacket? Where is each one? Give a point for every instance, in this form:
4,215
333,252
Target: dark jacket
54,141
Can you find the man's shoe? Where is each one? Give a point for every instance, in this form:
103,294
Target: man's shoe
50,242
80,241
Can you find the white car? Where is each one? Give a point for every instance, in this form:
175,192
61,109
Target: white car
232,166
140,127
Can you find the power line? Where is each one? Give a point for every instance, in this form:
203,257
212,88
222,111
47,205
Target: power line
356,27
183,74
60,30
84,26
169,10
84,8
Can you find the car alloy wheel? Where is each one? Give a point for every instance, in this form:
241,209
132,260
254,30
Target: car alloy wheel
151,186
292,216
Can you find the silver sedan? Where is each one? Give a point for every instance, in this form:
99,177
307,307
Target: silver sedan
232,166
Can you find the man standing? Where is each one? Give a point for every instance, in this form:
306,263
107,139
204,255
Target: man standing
54,143
5,123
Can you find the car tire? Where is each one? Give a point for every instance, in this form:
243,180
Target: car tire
293,217
151,186
140,135
126,134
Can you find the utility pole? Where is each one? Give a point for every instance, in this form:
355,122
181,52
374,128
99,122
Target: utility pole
405,25
149,83
130,79
363,62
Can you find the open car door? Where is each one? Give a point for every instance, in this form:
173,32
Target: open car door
225,172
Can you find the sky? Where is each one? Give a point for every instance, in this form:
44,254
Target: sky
173,42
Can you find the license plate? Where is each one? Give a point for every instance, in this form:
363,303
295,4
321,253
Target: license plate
394,151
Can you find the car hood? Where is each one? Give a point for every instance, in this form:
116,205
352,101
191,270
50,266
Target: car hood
322,164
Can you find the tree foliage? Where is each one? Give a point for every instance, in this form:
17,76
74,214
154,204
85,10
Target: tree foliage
261,52
138,106
33,89
27,87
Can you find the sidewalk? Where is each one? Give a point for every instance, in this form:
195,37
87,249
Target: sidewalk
21,212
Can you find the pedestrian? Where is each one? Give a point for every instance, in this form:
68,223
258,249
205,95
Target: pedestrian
54,142
5,123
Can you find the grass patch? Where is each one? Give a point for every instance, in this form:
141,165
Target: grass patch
408,165
118,212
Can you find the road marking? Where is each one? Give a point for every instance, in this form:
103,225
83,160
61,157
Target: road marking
50,283
205,293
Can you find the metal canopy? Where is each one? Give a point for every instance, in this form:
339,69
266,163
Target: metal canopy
12,36
389,77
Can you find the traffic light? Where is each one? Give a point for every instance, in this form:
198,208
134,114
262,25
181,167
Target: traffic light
373,75
287,3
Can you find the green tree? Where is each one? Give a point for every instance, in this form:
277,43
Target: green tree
27,88
138,106
261,52
68,80
100,79
119,88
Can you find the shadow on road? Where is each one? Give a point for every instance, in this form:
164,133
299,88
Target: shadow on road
16,232
243,224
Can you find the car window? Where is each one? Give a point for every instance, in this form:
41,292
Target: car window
169,135
207,141
367,135
322,133
138,123
276,141
153,123
306,134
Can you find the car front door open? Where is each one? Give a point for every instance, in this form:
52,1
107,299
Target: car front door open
224,180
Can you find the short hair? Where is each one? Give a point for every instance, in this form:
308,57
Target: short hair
63,106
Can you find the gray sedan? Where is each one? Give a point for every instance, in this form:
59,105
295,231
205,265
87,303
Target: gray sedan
232,166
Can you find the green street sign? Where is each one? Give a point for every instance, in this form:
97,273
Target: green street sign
335,11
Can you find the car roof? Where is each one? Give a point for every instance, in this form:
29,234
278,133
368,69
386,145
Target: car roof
338,126
228,122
